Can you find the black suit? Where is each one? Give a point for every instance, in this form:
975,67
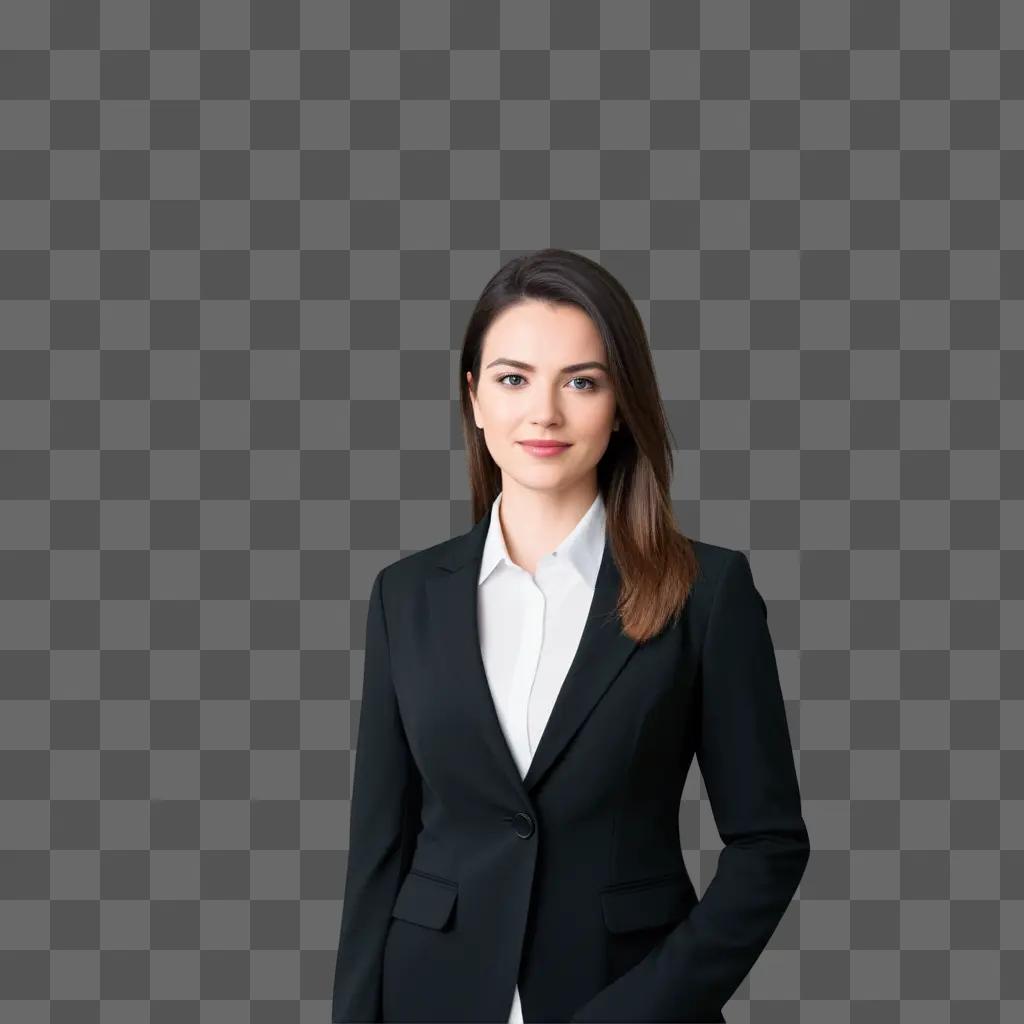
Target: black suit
464,877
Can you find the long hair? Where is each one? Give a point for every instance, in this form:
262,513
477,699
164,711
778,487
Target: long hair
656,561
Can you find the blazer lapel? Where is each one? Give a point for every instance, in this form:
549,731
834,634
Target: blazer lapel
454,628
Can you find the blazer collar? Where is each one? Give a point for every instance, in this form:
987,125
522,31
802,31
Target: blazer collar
454,630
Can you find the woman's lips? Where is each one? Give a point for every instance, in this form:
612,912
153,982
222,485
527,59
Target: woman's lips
544,451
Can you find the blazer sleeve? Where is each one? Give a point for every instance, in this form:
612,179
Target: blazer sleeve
746,760
384,816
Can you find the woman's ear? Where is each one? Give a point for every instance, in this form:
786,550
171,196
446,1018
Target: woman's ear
472,399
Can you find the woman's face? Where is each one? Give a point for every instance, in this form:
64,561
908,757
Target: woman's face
532,387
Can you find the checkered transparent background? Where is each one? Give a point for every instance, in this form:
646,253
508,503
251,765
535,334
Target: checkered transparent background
238,246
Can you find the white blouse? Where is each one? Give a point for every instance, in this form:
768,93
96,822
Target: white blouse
530,628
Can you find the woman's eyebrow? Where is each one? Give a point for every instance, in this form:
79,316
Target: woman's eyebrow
574,368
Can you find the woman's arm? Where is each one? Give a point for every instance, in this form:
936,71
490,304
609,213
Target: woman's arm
746,759
385,810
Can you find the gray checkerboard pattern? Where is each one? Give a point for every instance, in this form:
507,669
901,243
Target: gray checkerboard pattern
239,244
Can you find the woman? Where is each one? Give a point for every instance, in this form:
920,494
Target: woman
535,691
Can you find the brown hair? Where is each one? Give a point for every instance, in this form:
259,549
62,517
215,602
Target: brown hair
656,562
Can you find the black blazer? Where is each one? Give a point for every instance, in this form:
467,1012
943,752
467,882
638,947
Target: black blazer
463,877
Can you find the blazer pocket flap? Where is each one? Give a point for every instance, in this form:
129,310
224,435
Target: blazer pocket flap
647,905
425,900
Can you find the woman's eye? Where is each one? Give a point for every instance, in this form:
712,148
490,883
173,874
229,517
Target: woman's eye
589,380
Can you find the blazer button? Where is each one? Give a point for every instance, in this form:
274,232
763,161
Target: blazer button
523,824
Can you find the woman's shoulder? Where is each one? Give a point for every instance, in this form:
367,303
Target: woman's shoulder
714,559
410,569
